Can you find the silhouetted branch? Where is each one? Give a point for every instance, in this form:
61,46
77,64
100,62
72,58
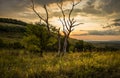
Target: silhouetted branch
68,23
41,18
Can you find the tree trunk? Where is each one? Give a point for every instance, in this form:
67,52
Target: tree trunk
65,45
48,28
59,44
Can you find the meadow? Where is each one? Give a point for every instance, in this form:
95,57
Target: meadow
21,64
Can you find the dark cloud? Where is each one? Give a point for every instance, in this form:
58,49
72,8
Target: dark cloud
116,20
90,7
110,6
95,7
42,2
96,32
15,7
12,7
107,32
115,24
101,7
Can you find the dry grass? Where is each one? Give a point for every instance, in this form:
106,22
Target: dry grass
18,64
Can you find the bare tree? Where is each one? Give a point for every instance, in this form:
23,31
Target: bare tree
68,23
59,41
46,20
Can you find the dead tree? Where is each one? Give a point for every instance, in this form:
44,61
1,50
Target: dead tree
46,20
68,23
59,41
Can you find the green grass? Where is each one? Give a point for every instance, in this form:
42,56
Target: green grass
20,64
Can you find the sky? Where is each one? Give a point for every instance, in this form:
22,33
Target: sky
100,18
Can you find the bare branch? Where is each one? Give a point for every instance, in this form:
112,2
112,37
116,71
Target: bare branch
77,24
63,14
41,18
73,5
69,17
60,5
47,18
72,29
61,21
45,7
68,22
33,7
77,3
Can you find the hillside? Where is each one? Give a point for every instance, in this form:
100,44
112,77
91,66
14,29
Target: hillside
11,32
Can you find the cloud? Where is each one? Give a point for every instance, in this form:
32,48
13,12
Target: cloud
15,8
98,8
113,23
101,7
107,32
100,33
47,2
110,6
44,2
12,7
116,20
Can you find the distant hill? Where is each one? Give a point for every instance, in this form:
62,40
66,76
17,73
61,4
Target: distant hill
110,44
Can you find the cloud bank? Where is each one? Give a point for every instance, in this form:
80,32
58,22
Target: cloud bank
100,33
98,7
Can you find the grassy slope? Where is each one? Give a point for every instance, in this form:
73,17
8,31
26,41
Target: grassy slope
13,32
18,64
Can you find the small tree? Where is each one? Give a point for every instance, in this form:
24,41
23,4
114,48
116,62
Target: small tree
36,38
68,23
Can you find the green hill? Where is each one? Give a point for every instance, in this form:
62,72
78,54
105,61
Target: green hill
11,32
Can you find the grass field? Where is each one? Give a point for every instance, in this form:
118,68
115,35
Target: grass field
20,64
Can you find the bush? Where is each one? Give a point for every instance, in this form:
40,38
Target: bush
31,43
36,38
